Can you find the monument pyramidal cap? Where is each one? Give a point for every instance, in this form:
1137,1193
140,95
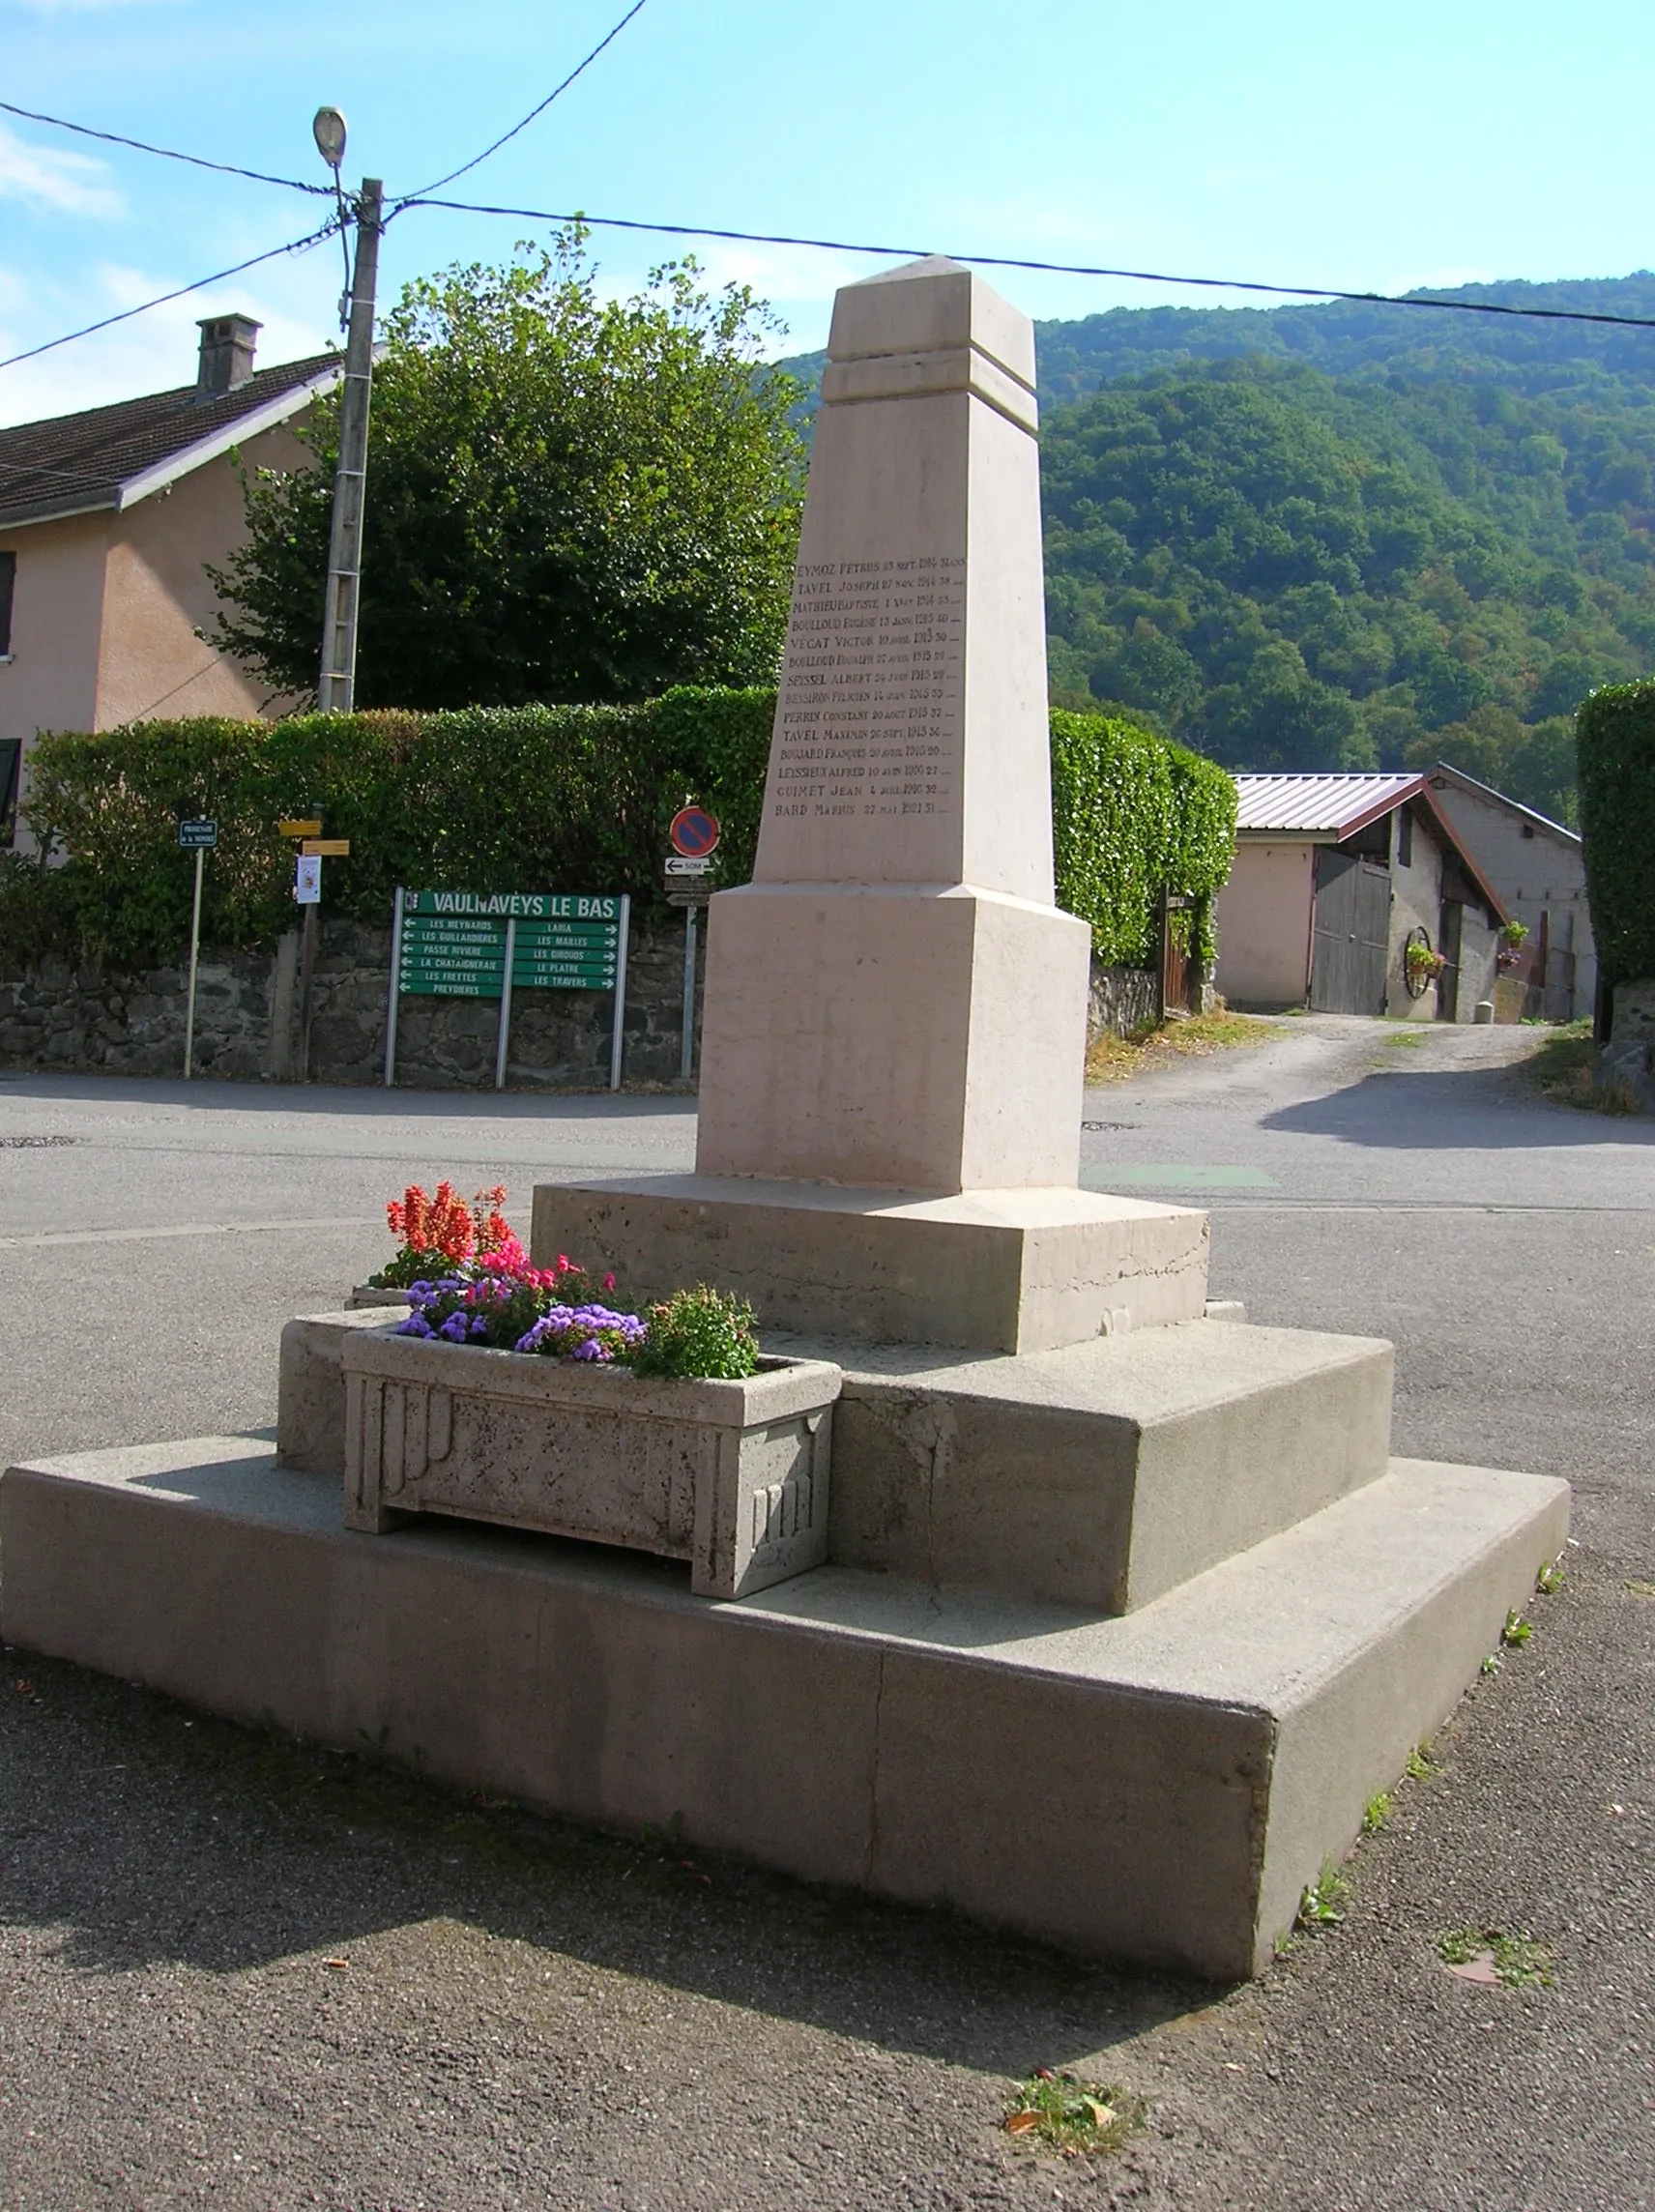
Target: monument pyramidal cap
894,1034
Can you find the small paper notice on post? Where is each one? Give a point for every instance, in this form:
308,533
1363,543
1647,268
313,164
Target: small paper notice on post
307,879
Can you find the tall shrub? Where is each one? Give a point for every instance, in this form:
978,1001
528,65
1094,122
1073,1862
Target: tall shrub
1614,734
1133,816
570,798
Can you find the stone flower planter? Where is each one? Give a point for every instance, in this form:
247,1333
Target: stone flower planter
730,1476
370,1295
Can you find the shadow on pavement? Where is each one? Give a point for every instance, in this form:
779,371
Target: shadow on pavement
1473,1109
140,1834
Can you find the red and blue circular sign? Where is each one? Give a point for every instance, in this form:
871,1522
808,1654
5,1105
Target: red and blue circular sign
694,832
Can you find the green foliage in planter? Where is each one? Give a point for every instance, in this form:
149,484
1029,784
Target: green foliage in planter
700,1331
1132,815
1614,731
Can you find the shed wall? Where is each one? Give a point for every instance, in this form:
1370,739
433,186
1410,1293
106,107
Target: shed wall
1264,923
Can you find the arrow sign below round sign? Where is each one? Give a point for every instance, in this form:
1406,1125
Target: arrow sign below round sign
694,832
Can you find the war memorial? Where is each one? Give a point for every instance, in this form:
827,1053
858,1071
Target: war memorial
1019,1582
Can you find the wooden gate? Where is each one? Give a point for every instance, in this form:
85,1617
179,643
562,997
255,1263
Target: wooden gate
1178,952
1350,937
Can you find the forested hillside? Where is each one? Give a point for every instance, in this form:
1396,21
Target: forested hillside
1355,536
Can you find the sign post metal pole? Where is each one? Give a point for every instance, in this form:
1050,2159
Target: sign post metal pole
198,834
194,959
504,1003
617,1034
395,989
686,1050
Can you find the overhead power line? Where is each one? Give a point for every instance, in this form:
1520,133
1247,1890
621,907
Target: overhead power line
108,322
166,153
506,137
1048,268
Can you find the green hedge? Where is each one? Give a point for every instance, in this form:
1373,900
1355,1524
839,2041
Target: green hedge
1133,815
1614,735
549,797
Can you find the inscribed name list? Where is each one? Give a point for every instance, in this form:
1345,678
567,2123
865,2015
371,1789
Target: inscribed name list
867,746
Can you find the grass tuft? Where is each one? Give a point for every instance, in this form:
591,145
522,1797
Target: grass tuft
1324,1900
1113,1058
1057,2112
1376,1812
1519,1961
1565,1067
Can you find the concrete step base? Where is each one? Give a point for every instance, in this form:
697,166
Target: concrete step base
1098,1476
1155,1788
1104,1474
990,1270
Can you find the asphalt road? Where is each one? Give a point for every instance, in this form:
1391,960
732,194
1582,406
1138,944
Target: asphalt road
236,1973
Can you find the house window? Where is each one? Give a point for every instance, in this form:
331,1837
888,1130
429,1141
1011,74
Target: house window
1529,829
8,578
1404,839
11,764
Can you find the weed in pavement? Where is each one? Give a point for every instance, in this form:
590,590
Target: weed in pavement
1376,1812
1056,2111
1517,1631
1323,1902
1518,1960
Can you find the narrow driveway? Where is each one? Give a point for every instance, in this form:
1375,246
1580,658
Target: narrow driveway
235,1973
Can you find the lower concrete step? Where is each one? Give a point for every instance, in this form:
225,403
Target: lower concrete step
1103,1474
1155,1788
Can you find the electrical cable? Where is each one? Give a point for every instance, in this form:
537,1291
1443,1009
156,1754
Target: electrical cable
275,252
1048,268
580,67
166,153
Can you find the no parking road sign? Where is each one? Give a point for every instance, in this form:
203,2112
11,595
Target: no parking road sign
694,832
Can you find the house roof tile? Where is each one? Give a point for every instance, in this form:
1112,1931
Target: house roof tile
73,462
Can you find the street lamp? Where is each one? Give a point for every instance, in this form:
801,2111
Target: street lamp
329,130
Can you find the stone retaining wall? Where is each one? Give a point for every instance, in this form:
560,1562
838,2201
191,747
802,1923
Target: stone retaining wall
78,1019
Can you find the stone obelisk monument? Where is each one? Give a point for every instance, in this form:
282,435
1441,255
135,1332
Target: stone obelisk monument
894,1032
895,999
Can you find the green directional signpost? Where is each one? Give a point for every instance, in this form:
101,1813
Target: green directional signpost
466,945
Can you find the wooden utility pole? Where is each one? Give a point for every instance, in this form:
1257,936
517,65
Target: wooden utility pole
336,691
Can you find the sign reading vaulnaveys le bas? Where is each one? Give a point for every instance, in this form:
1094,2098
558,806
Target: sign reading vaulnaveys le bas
485,945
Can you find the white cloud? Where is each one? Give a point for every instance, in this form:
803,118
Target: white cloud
155,352
74,184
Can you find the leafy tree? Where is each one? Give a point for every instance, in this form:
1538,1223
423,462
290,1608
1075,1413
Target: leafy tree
570,497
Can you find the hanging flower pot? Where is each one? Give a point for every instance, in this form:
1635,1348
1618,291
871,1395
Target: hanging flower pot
1420,965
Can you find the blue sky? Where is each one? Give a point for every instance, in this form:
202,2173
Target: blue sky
1306,141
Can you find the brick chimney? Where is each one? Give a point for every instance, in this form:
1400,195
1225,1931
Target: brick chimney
227,344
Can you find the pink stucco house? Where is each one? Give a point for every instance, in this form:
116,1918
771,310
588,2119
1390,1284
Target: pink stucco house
108,520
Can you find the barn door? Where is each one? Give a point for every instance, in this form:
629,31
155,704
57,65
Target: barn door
1349,938
1448,982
